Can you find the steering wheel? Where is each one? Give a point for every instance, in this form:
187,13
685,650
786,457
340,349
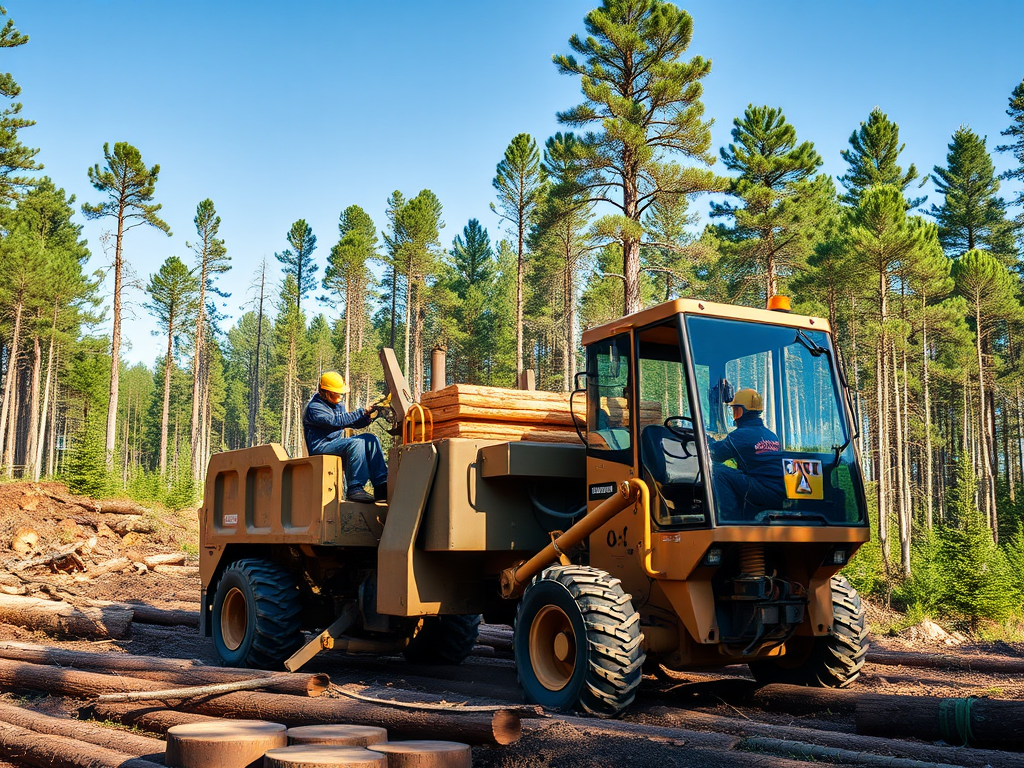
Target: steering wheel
685,434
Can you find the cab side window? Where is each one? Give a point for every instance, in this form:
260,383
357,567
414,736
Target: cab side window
608,407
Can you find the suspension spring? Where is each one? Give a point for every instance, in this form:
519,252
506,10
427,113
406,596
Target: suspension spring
752,559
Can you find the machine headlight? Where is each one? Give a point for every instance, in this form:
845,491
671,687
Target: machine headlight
713,557
838,557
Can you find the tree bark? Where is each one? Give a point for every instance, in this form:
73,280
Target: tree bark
115,340
45,413
165,414
64,619
111,738
980,722
40,749
12,374
33,412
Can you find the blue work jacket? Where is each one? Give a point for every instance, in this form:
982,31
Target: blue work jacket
755,448
323,421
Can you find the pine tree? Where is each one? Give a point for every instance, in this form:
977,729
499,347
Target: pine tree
15,157
874,150
519,183
774,228
419,223
173,292
211,260
1015,147
971,215
990,291
349,275
298,260
472,281
129,187
645,105
977,583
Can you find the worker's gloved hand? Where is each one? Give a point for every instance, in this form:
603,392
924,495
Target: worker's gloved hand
380,404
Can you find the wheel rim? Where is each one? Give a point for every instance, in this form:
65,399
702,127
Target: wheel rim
552,648
234,617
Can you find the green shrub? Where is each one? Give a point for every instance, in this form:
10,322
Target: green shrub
85,470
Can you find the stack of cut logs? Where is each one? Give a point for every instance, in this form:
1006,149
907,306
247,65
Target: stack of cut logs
492,413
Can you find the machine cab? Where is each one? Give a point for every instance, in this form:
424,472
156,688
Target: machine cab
659,386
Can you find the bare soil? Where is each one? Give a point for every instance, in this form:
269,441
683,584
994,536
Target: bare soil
488,677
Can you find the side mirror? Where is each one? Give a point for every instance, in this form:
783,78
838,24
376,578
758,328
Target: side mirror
576,385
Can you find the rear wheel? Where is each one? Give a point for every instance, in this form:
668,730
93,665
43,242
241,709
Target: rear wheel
577,641
444,639
256,615
833,661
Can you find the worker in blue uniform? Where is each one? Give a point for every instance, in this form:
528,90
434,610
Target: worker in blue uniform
324,421
757,481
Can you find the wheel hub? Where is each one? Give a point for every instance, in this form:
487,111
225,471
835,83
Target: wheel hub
234,617
552,647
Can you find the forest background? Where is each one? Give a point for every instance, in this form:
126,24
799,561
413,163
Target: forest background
128,360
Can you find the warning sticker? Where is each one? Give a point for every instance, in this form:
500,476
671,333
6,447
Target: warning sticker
803,479
230,519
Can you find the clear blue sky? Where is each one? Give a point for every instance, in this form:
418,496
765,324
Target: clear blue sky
280,111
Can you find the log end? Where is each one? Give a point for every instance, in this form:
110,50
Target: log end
317,685
506,727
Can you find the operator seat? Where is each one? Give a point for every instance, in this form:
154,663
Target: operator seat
674,471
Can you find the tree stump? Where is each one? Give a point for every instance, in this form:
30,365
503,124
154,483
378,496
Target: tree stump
224,743
339,735
426,754
323,756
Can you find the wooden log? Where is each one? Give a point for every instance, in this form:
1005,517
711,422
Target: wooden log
500,727
973,758
499,640
184,615
177,570
41,749
991,723
155,719
338,734
997,664
19,675
240,744
323,756
487,430
426,754
188,692
64,619
172,558
111,738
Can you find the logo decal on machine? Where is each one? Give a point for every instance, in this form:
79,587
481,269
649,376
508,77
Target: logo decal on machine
602,491
230,519
803,478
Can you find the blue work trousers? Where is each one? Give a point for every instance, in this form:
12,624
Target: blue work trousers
739,496
361,458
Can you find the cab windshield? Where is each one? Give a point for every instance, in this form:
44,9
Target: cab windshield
789,456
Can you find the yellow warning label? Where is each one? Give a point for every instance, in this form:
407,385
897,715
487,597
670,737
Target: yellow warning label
803,479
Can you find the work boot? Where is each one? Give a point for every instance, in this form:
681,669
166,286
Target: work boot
380,492
360,495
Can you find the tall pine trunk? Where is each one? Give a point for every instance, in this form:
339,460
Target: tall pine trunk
12,368
115,342
38,463
166,412
33,419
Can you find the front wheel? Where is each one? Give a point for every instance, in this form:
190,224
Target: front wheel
446,639
256,615
577,641
832,661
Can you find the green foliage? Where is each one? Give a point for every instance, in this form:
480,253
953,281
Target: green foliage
129,187
874,150
1015,132
971,215
15,157
298,260
85,468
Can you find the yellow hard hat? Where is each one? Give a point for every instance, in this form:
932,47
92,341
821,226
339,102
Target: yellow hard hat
749,399
332,381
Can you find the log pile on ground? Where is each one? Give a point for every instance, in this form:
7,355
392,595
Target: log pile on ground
493,413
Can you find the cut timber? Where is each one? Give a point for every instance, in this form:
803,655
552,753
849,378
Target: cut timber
340,735
323,756
236,744
64,619
174,615
41,749
153,719
113,565
111,738
70,682
998,664
974,758
174,558
990,723
166,694
494,430
177,570
426,754
500,727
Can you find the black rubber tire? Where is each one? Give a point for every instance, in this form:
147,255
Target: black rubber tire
272,631
833,661
608,664
444,639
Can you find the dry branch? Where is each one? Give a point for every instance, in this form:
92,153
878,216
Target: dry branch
998,664
249,684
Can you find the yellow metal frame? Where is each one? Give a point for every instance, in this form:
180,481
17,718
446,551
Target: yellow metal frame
425,421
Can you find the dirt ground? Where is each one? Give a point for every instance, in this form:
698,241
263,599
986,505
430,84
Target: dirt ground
60,522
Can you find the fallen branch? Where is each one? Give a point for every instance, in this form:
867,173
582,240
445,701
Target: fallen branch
60,554
442,706
248,684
